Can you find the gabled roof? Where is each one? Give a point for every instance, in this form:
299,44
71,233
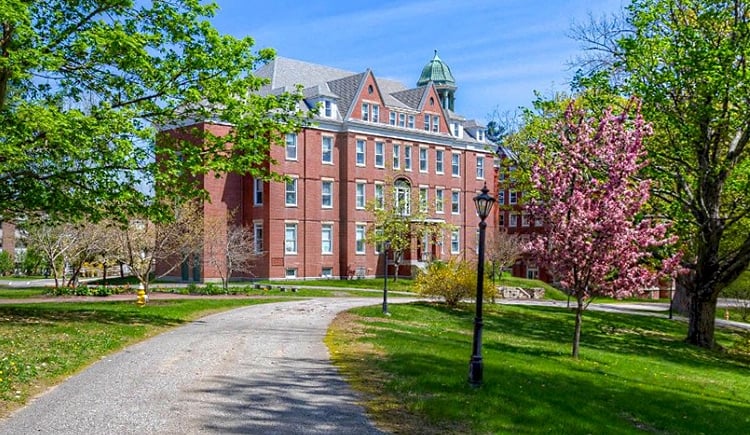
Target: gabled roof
347,89
288,73
413,98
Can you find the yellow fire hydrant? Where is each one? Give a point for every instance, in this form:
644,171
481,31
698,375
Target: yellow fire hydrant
141,297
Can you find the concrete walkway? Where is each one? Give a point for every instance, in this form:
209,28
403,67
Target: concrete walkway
262,369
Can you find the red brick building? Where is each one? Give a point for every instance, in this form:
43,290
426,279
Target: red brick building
367,132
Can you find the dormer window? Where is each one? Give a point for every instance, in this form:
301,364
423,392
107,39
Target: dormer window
327,109
480,135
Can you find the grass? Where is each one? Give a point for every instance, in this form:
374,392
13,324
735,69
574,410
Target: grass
21,293
42,344
635,374
549,291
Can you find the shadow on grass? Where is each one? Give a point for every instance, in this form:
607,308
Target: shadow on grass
119,313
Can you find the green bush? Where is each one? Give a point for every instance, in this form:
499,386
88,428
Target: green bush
6,263
453,281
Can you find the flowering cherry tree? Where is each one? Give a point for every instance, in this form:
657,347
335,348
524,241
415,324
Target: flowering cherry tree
596,242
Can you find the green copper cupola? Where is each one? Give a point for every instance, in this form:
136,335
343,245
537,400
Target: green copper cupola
438,72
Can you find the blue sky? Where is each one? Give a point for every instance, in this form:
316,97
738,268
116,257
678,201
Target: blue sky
499,51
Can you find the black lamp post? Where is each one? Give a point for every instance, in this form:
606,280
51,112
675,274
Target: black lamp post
484,203
386,247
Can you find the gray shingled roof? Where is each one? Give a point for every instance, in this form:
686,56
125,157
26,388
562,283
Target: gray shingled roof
288,73
346,88
412,97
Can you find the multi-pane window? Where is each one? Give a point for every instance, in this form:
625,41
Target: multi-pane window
375,113
501,219
402,197
501,197
365,111
379,154
480,167
423,198
326,272
513,197
326,239
435,123
379,196
360,152
291,192
423,160
513,220
291,272
439,161
407,157
290,238
327,149
326,193
258,192
427,122
538,222
456,130
327,109
524,220
439,200
402,120
456,164
359,195
258,237
411,121
455,242
455,202
396,156
291,146
392,118
359,239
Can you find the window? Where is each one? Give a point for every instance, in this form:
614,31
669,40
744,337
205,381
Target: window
538,222
524,220
435,123
480,167
327,149
360,152
327,109
424,197
396,156
402,120
258,192
326,239
455,202
423,160
392,118
407,157
532,272
290,238
513,220
501,197
365,111
455,129
513,197
411,121
427,123
455,242
379,244
375,113
290,273
379,154
359,239
501,219
326,194
326,272
291,193
359,195
456,165
291,146
379,196
258,237
480,135
439,161
402,197
439,200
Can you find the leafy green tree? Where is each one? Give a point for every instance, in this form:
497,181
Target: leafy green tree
6,263
85,86
688,62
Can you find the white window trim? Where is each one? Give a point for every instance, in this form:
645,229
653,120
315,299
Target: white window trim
484,164
426,159
357,226
458,165
441,209
362,183
296,147
295,181
330,241
364,152
382,154
296,237
321,150
458,212
327,180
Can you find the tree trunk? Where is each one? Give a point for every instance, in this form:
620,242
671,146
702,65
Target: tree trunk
681,299
104,273
577,333
702,313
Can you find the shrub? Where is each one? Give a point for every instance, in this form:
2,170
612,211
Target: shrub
6,263
453,281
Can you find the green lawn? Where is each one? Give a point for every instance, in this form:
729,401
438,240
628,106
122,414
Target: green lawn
21,293
635,374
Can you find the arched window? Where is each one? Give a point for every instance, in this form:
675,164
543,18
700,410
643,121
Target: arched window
402,197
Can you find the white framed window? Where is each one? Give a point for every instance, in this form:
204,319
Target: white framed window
326,272
456,164
480,167
360,152
392,118
501,219
538,222
435,123
439,161
326,150
258,237
375,113
326,239
365,111
407,157
427,123
257,192
402,197
455,129
379,154
513,220
422,159
327,109
501,197
396,156
326,193
379,245
359,239
290,196
410,122
424,197
480,135
359,195
439,200
291,146
290,238
290,272
402,120
513,197
525,221
532,271
379,195
455,202
455,242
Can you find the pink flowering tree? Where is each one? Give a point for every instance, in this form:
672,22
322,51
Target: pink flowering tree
596,241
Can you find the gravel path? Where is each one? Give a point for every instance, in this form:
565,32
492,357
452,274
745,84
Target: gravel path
260,369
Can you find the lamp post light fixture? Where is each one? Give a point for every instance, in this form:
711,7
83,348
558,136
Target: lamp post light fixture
386,248
483,203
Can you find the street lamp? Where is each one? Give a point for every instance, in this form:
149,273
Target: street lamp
386,247
483,203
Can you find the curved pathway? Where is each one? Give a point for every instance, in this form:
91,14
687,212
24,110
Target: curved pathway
259,369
